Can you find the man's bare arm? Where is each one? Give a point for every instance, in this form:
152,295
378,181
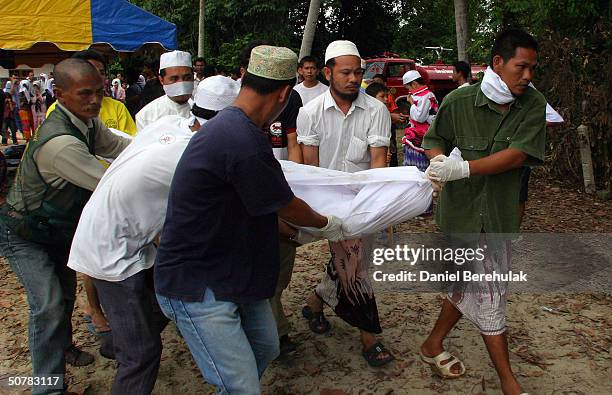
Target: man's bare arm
499,162
297,212
293,149
378,157
311,154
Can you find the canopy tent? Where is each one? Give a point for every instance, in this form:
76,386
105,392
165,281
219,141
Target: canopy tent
74,25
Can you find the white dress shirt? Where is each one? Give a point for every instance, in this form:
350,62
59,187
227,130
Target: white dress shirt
343,140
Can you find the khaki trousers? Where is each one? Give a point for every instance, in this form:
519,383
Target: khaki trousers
287,260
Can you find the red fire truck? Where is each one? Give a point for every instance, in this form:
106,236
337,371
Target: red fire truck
437,76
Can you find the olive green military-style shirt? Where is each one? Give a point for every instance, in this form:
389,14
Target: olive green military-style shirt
467,119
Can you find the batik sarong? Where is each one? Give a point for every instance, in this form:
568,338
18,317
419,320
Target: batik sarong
346,286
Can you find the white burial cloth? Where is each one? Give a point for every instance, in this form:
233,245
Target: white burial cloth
366,201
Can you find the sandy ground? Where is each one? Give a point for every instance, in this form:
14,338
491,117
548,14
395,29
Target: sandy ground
563,353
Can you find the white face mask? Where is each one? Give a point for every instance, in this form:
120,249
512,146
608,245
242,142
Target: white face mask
179,88
495,88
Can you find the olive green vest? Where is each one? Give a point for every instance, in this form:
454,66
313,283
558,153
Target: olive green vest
46,214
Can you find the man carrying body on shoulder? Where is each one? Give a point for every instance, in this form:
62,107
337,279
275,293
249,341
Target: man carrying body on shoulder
176,77
115,240
499,126
53,182
310,87
217,264
347,130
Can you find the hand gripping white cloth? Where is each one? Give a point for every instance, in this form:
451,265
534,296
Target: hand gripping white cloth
366,201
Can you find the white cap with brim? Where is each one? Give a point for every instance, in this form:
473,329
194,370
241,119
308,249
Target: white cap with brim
341,48
215,93
174,59
410,76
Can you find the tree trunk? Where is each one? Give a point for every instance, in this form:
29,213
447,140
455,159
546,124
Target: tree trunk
461,27
201,30
309,29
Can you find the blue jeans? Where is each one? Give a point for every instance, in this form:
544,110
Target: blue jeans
51,289
231,343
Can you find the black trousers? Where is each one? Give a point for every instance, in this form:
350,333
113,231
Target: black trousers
137,322
9,123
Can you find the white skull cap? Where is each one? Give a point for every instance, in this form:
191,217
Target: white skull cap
175,59
410,76
216,92
341,48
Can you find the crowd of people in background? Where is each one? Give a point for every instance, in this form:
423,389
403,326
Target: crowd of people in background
24,101
23,104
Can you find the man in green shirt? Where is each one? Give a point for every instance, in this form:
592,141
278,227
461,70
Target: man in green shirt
499,126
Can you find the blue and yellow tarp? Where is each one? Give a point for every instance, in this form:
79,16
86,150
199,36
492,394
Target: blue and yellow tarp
74,25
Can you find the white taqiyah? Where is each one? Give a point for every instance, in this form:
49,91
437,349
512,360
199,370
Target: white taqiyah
410,76
175,59
215,93
341,48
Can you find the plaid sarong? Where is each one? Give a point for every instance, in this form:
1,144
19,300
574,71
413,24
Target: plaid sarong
484,302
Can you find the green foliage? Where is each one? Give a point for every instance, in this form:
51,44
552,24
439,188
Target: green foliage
115,67
183,13
229,53
232,24
425,23
370,24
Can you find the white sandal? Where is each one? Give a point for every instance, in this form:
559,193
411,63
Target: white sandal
444,370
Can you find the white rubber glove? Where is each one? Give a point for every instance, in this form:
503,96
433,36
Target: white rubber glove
448,170
437,185
332,231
